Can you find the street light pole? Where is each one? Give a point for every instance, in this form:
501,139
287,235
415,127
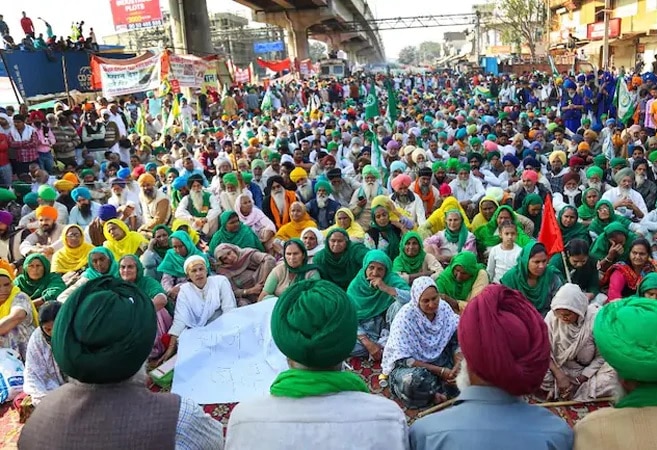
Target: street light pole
605,41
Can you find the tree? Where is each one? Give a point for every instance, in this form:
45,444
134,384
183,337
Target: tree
522,19
407,55
429,51
316,50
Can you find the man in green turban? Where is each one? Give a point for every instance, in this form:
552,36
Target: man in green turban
199,208
101,339
314,325
624,334
322,208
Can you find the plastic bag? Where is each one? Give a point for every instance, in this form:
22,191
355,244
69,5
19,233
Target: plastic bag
11,375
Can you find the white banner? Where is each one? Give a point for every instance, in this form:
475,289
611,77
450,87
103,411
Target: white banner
242,75
131,78
188,70
231,359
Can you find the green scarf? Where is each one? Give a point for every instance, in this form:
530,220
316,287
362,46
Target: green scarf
149,286
459,236
48,287
173,263
342,268
518,278
487,235
648,282
585,211
388,233
644,395
371,302
576,231
297,383
447,283
600,246
244,237
92,274
304,268
161,251
598,226
531,200
407,264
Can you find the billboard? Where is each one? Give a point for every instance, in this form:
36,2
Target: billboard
596,31
135,14
41,73
268,47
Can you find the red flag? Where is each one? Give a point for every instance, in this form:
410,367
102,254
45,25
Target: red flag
550,233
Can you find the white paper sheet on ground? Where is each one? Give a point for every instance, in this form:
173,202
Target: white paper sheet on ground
231,359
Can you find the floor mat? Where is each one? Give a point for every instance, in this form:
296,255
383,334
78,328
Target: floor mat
10,428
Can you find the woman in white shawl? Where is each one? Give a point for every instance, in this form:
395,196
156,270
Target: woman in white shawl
200,301
577,371
42,373
251,216
313,239
422,354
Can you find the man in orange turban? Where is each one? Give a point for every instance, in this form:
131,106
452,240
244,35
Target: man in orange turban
48,232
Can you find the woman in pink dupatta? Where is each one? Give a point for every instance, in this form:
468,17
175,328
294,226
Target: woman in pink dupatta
251,216
245,268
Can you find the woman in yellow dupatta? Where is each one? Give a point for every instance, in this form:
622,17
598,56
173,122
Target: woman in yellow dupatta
179,224
487,207
436,221
18,316
346,220
299,221
72,257
121,241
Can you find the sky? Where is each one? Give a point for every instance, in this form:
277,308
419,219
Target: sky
97,14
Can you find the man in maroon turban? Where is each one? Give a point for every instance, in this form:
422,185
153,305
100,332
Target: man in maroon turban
506,350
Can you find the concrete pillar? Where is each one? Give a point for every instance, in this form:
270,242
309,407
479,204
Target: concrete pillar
191,27
295,24
297,42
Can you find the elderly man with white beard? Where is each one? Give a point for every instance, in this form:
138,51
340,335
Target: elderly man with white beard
199,208
231,190
594,176
277,201
626,200
322,208
125,201
468,190
361,200
506,350
406,200
155,205
643,185
305,189
343,188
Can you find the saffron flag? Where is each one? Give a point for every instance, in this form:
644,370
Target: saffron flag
550,233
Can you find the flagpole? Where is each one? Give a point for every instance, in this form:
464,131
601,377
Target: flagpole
565,266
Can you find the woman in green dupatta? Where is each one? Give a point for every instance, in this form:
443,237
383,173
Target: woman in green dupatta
157,248
648,286
570,226
488,235
293,268
533,277
172,266
612,245
38,282
100,262
461,280
341,258
233,231
532,208
586,210
604,216
413,262
383,235
378,293
131,270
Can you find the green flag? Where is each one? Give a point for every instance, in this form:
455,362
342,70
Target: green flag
625,100
391,111
371,105
266,102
